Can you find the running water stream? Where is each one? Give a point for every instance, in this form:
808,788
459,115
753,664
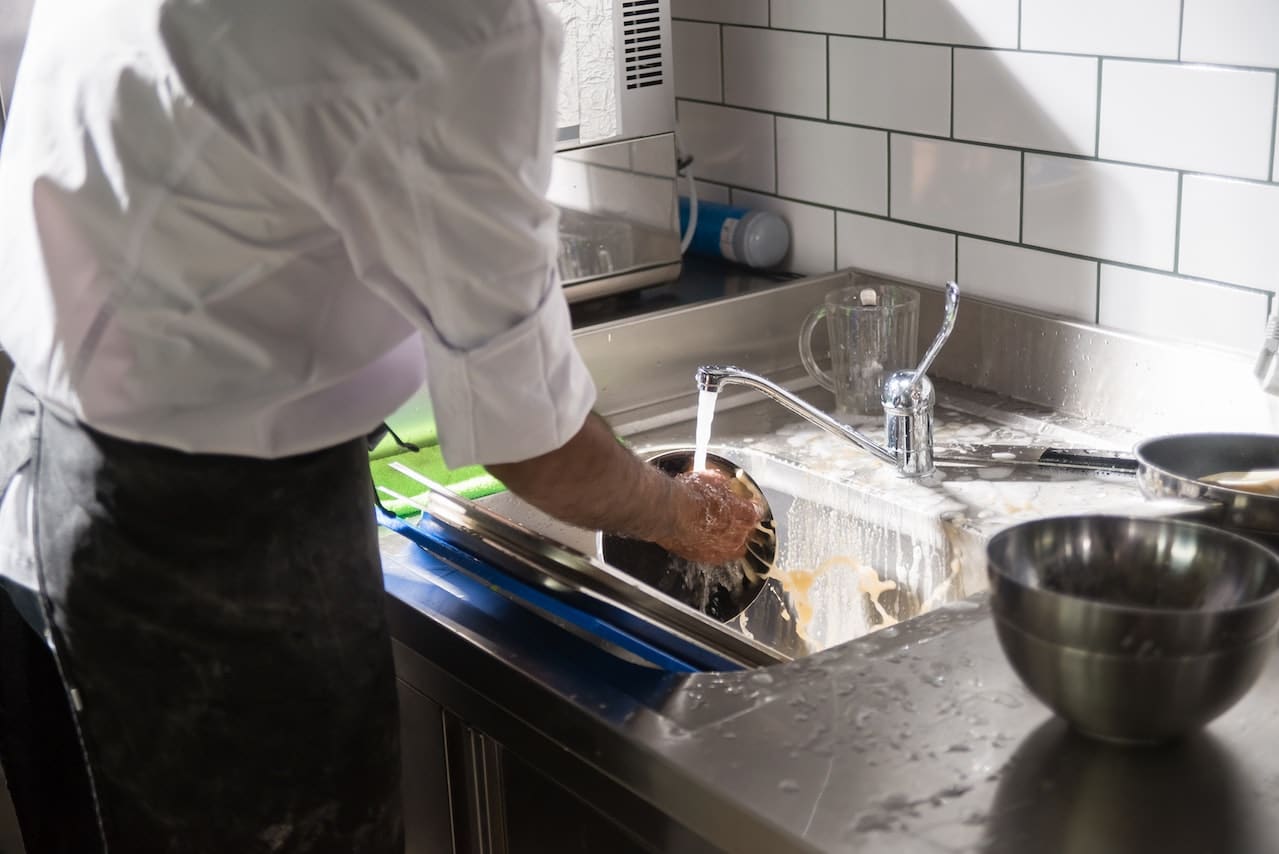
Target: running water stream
705,415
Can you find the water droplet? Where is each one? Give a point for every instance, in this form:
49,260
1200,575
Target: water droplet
789,786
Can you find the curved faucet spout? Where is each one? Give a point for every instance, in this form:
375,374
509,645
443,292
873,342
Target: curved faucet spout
710,377
713,378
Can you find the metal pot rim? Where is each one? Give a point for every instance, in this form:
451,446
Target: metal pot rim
1209,491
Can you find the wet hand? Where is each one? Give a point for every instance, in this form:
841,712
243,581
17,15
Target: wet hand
713,521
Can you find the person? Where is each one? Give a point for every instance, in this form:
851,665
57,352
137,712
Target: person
236,236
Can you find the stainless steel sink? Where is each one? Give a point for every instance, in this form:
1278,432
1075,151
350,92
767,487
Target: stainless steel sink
860,549
850,561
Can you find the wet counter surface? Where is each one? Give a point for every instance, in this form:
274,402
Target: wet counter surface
917,737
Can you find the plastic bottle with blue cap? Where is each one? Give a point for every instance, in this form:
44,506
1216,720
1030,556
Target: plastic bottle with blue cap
755,238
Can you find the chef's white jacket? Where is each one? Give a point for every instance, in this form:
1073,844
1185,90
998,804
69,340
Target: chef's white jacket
252,227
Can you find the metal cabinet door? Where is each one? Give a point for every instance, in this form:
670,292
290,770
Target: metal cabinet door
427,813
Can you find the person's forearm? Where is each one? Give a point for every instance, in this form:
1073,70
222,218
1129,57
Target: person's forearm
594,482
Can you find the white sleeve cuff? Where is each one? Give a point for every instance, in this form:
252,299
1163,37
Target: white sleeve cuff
522,394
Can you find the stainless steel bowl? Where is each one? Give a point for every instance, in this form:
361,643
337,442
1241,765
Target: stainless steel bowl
1134,630
722,592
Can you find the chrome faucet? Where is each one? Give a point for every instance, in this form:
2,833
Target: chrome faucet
908,400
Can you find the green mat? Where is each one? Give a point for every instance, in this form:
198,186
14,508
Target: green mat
469,481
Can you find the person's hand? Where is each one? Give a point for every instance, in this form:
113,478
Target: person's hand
712,521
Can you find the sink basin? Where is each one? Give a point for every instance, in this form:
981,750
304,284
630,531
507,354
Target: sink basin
860,548
849,561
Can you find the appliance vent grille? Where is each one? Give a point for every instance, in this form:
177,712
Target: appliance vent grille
642,41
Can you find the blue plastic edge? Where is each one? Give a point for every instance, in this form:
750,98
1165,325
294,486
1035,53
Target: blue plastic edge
517,589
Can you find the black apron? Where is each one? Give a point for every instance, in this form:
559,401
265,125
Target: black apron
218,631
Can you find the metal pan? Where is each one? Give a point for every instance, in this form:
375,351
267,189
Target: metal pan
1171,467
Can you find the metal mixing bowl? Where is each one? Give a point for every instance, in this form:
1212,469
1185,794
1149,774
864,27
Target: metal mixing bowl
1134,630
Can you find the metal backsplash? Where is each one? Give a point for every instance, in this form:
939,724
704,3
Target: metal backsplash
1143,385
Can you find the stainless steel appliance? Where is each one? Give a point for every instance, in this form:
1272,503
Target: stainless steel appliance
614,178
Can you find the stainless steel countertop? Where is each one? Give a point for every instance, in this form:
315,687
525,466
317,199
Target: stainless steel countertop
918,738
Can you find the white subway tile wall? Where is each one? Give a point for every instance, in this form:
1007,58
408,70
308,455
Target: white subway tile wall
1112,162
846,17
753,12
991,23
1165,306
775,70
893,249
1102,210
730,146
1199,118
698,66
1029,100
1045,281
1231,32
1135,28
972,188
890,85
843,167
1230,231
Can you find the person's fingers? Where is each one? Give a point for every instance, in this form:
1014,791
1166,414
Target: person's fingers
718,530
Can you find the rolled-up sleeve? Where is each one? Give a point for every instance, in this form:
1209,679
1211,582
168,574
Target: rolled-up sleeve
442,207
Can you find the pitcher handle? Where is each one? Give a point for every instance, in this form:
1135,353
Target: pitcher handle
806,349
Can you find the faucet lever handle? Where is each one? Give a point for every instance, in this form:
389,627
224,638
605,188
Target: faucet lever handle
949,315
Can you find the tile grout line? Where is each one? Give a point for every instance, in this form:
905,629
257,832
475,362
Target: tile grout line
1035,51
777,160
1021,203
1096,309
828,80
952,92
888,176
723,96
1274,131
1181,28
1065,155
834,227
1176,237
1046,250
1096,140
